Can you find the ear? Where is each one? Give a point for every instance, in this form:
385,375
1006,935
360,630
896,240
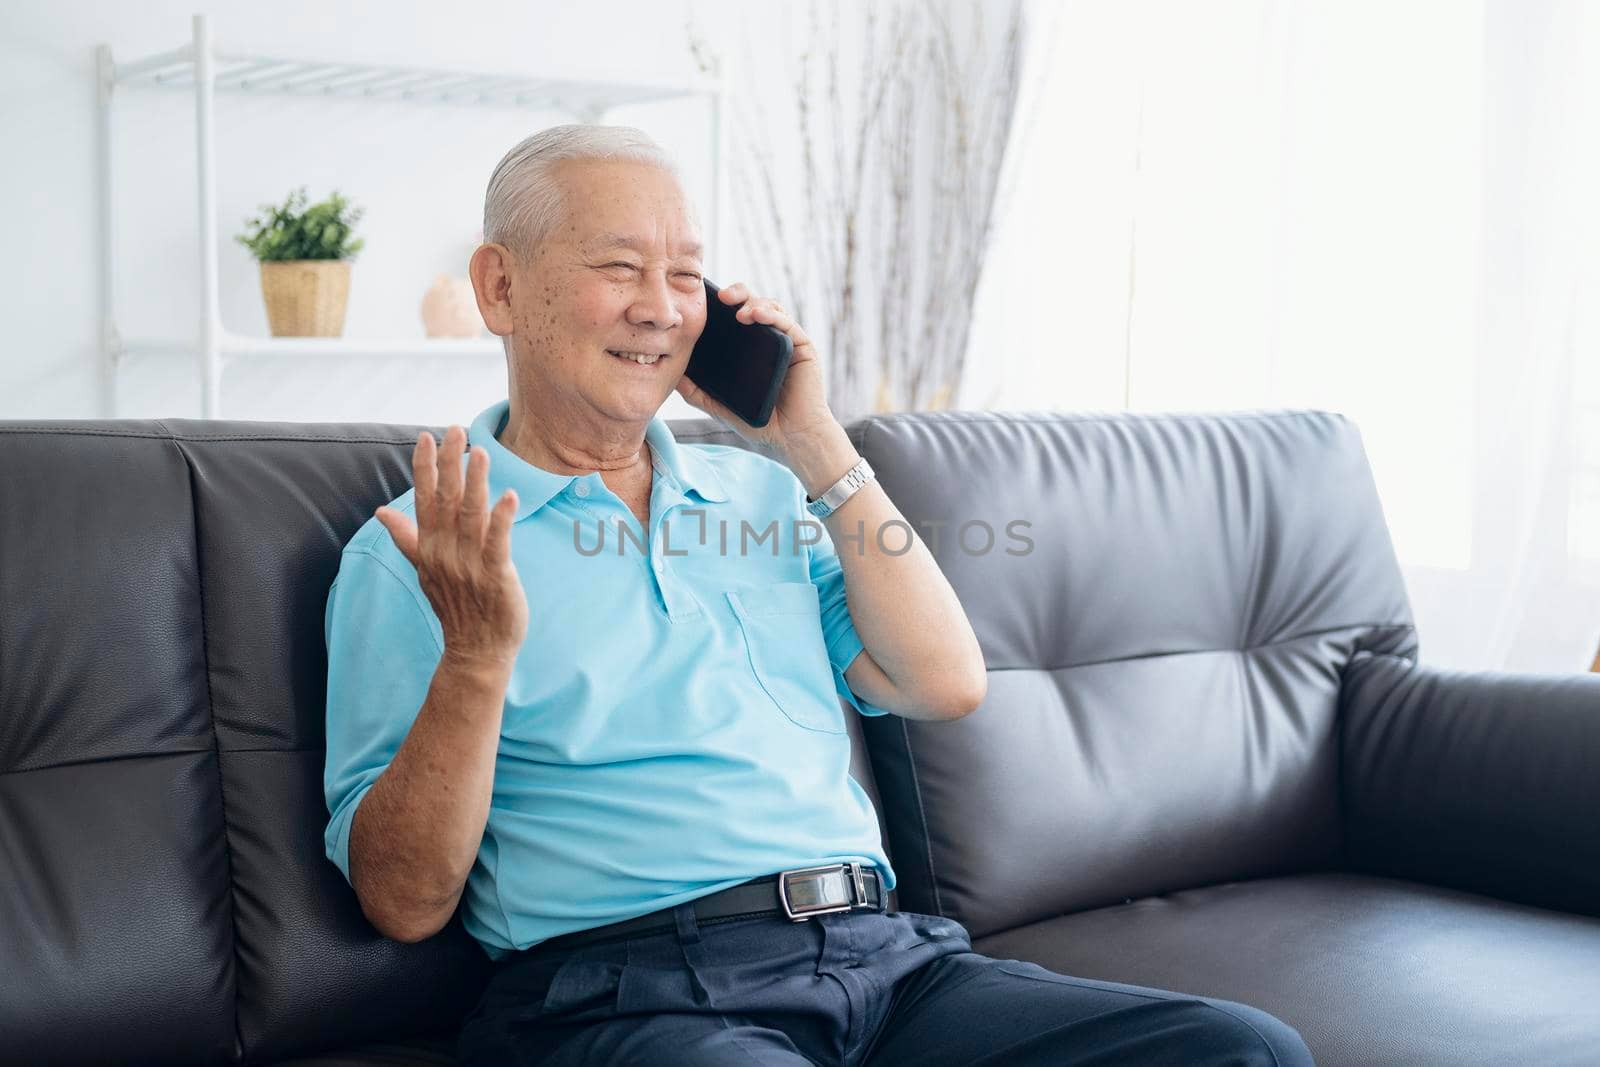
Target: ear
492,269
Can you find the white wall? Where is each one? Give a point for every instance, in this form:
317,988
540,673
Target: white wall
1327,216
419,171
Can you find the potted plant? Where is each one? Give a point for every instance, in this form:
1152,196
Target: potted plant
304,253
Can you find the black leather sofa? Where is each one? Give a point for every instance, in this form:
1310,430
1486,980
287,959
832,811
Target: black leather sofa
1208,760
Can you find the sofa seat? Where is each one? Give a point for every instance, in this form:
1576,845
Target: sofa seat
1370,970
437,1051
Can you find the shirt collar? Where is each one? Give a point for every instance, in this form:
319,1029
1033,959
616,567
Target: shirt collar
535,486
688,466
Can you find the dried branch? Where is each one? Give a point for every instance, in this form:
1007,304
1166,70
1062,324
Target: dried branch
894,229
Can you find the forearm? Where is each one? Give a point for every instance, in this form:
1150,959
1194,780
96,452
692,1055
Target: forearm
908,617
416,832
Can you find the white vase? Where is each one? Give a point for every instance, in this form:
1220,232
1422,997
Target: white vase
450,308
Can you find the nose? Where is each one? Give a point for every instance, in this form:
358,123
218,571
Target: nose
654,304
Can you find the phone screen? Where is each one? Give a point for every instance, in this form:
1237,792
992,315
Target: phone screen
740,364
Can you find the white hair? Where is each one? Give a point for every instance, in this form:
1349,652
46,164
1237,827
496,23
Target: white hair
524,203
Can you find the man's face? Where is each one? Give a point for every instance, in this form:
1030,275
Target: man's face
621,273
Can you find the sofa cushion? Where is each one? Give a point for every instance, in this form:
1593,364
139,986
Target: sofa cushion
273,505
439,1051
1164,652
1369,970
115,920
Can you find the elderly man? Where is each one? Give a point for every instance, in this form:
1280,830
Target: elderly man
628,766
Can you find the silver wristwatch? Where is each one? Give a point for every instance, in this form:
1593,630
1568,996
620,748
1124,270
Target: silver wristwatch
841,490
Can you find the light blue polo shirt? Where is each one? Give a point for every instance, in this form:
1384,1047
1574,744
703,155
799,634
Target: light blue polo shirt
673,723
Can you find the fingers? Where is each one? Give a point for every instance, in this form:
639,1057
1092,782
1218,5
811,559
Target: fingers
762,309
424,477
450,489
452,504
497,543
445,533
755,308
474,515
402,529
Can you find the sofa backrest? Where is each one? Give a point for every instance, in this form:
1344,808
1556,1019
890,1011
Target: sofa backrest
1163,662
161,747
1164,653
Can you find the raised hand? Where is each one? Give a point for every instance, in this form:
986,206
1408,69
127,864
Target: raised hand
462,550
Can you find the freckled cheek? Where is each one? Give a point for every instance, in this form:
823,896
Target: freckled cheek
600,309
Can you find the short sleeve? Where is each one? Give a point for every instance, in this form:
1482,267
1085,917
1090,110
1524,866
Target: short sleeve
383,648
838,632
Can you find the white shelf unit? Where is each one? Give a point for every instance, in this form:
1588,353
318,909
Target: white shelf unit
200,68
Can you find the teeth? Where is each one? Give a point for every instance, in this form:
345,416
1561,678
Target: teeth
637,357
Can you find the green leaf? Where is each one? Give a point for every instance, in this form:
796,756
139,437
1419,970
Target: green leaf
296,230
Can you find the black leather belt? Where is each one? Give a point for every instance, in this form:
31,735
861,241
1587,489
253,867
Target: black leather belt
797,894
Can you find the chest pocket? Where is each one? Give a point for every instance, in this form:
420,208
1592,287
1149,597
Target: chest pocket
782,629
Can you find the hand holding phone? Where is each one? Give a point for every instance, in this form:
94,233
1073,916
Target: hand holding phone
741,365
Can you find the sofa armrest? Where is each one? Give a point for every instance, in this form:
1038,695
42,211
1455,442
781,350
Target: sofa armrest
1485,781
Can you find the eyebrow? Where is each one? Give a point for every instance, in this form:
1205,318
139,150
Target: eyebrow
638,244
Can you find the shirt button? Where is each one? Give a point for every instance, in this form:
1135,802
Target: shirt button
581,488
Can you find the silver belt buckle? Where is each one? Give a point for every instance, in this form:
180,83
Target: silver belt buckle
848,879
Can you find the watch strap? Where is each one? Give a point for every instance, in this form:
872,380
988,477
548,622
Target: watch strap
836,494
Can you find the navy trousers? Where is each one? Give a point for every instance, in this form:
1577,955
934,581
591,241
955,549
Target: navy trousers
850,988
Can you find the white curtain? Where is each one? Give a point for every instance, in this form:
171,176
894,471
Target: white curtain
1386,209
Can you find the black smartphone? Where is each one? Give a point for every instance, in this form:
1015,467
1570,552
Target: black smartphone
740,364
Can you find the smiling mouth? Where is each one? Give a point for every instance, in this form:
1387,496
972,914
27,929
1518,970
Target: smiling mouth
643,359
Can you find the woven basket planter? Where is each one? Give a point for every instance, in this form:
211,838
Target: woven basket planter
305,297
